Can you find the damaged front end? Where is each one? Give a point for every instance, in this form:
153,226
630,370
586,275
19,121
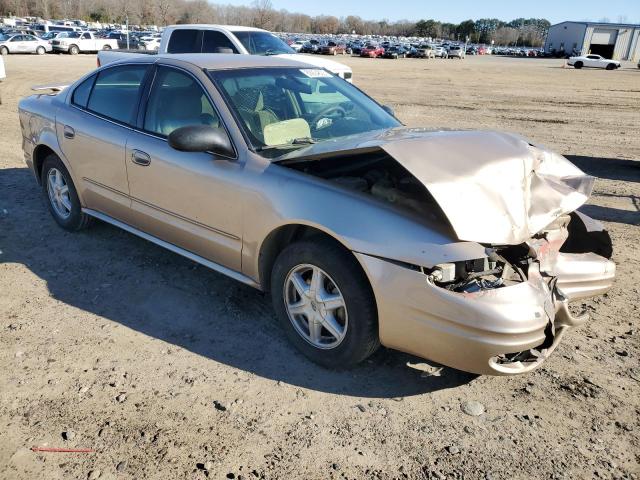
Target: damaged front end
558,277
502,313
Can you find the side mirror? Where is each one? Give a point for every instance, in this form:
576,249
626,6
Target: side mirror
389,110
201,138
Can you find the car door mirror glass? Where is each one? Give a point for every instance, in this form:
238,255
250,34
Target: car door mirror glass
201,138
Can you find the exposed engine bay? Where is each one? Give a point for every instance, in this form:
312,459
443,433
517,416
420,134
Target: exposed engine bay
376,173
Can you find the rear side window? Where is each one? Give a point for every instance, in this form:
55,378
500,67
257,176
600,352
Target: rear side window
116,91
82,91
216,42
185,41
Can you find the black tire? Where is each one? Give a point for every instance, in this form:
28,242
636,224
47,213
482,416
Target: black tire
41,51
4,51
77,220
611,66
577,65
361,337
74,50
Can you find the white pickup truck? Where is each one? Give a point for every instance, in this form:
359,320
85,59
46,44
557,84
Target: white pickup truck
227,39
76,42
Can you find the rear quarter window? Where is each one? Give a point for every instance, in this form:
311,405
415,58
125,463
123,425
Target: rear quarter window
81,93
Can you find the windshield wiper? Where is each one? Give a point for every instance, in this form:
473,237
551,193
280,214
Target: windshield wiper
296,142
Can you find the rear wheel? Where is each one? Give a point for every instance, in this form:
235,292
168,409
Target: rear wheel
40,51
324,303
61,195
578,65
74,50
4,51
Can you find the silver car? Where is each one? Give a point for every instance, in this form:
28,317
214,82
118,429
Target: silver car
23,43
464,247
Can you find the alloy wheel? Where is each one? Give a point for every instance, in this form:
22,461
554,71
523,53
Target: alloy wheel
315,306
58,191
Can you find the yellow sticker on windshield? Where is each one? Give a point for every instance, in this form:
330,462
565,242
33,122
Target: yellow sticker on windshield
315,73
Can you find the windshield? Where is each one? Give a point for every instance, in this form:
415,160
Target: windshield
280,109
262,43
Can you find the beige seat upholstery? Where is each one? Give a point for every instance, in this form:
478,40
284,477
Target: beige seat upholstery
251,107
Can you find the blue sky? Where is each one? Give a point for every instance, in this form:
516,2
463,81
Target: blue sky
455,11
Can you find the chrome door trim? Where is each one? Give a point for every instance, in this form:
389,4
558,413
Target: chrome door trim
174,248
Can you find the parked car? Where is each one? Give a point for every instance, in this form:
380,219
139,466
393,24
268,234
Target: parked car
22,43
440,52
79,42
333,48
424,51
297,45
312,46
149,43
593,61
202,38
368,244
371,51
395,52
456,51
123,40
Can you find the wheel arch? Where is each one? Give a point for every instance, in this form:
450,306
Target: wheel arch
284,235
41,152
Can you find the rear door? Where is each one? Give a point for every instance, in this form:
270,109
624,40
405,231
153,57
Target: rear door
93,132
186,198
30,43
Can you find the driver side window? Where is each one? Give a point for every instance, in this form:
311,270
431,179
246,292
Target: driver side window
177,100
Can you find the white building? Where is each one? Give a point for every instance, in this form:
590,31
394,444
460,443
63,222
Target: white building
617,41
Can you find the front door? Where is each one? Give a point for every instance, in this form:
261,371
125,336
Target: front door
185,198
93,136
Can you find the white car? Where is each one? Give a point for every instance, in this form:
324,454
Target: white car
297,45
21,43
456,51
201,38
149,43
593,61
440,52
76,42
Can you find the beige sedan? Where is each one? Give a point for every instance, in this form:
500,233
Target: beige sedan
458,246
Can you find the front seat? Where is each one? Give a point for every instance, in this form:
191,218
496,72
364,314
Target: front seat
250,102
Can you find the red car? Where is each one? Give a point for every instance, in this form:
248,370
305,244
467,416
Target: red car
332,48
372,51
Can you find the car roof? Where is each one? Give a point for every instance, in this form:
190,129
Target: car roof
222,61
230,28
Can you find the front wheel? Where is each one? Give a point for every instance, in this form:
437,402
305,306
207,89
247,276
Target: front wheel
324,303
611,66
577,65
74,50
40,51
61,195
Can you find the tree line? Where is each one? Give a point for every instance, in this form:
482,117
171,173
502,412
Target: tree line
261,14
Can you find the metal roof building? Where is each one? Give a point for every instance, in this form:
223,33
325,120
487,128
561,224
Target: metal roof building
618,41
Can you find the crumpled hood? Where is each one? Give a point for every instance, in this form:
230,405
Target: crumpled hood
492,187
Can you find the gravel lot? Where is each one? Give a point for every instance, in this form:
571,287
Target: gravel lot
168,370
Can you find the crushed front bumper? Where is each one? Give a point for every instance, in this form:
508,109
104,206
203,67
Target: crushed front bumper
477,332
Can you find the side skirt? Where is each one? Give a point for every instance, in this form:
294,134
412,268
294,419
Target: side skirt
174,248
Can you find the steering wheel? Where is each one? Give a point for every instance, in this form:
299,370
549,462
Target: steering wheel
326,111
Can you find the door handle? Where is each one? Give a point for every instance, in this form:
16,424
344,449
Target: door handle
140,158
69,132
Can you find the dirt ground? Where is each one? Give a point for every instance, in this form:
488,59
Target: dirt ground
168,370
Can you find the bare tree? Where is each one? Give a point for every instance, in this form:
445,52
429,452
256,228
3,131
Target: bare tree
263,14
